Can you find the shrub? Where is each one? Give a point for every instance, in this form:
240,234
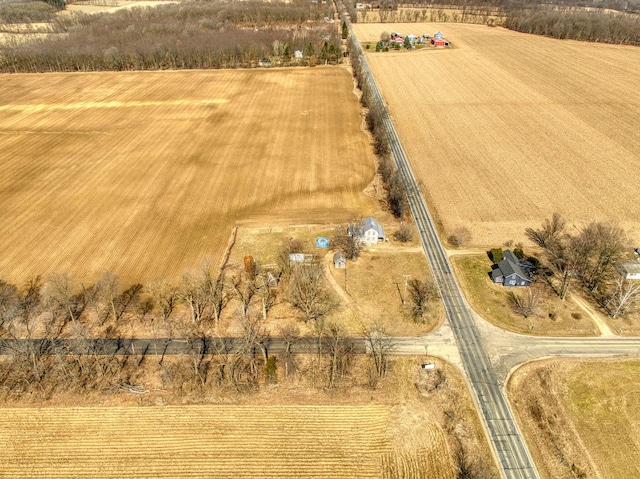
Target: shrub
519,253
404,233
459,237
496,255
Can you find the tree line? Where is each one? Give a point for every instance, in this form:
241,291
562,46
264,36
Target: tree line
593,26
396,196
27,12
584,257
200,35
58,308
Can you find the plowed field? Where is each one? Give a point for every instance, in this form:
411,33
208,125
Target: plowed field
145,173
506,128
204,441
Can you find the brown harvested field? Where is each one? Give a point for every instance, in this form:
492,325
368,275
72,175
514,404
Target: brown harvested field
282,430
195,441
145,173
580,416
506,128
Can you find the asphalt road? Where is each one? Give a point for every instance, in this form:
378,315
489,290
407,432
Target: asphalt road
513,456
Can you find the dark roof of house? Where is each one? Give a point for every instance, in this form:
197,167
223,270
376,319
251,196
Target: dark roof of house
496,273
508,267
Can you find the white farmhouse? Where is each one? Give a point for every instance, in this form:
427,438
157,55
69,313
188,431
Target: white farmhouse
372,231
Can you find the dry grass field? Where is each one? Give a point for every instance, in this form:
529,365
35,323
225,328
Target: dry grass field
580,416
145,173
506,128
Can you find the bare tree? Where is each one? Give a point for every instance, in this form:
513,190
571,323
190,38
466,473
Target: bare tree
601,245
340,350
109,289
459,237
217,296
289,246
165,295
290,334
467,465
244,290
266,285
347,239
561,252
193,293
624,297
525,303
59,295
379,346
404,233
589,255
307,292
420,294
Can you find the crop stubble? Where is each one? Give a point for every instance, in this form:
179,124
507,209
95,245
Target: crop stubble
145,173
194,441
506,128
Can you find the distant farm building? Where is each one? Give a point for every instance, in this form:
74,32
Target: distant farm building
396,37
298,55
438,40
512,271
339,260
630,269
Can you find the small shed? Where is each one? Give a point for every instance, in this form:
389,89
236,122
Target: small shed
339,260
298,55
630,269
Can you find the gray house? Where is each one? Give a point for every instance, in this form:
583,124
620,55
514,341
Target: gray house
339,260
512,271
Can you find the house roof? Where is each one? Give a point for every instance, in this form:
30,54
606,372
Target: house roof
631,267
370,223
496,273
508,268
338,256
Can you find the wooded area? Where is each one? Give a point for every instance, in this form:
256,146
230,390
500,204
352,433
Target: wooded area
183,36
592,26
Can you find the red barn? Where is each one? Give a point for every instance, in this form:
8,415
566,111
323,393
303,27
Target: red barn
438,41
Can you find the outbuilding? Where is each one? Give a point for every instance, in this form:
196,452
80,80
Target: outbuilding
339,260
630,269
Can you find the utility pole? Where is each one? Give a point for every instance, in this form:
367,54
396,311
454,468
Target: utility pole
406,280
